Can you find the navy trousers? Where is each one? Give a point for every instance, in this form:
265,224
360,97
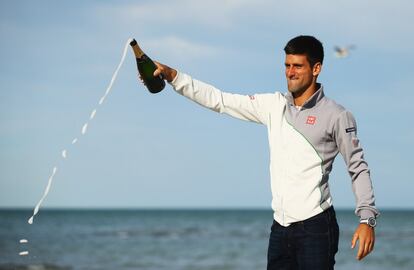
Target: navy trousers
309,244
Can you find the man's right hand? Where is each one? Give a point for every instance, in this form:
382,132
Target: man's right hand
166,72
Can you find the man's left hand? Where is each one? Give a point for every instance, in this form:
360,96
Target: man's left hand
366,237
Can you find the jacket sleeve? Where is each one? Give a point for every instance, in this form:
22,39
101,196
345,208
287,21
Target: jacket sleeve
345,131
250,108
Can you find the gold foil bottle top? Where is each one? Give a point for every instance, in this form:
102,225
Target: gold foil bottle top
137,50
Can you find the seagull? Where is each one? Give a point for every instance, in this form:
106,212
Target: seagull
342,52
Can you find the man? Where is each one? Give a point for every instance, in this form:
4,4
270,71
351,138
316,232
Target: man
306,130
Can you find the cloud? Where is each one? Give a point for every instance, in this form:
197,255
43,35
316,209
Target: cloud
366,22
216,14
178,48
369,24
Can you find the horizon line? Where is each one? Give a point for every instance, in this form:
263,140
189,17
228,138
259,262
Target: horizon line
175,208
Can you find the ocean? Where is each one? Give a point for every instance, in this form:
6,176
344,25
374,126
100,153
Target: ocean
178,240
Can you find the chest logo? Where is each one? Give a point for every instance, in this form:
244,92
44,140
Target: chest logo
311,120
351,129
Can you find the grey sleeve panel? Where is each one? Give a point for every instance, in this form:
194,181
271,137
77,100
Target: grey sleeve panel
345,134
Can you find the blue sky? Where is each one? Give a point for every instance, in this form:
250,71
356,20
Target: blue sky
145,150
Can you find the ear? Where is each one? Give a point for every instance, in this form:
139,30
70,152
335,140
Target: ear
317,68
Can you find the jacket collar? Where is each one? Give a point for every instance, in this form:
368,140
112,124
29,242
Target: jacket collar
312,101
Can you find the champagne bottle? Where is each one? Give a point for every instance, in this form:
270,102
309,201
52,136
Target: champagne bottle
146,68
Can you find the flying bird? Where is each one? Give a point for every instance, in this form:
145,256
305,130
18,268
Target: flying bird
342,52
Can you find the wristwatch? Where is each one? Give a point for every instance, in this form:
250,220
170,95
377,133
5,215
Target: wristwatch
372,222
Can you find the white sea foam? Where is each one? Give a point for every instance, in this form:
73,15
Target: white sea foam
23,241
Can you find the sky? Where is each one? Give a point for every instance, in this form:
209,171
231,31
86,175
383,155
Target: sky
164,151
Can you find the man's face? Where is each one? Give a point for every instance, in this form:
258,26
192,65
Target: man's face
299,74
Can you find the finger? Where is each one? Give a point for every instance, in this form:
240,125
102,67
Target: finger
159,69
371,246
354,240
368,248
157,64
157,72
365,252
360,249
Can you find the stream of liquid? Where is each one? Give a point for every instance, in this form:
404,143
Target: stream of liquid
64,153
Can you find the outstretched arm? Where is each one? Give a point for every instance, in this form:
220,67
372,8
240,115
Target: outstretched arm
254,108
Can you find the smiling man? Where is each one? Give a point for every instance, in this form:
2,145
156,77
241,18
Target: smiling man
306,131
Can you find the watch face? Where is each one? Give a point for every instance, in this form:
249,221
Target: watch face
372,222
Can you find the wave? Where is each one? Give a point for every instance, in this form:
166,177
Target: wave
45,266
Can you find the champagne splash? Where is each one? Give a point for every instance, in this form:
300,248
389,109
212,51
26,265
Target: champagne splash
83,131
23,253
49,183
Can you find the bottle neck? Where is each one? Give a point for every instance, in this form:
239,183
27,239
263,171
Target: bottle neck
137,51
142,59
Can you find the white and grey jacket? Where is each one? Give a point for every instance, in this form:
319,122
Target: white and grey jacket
303,145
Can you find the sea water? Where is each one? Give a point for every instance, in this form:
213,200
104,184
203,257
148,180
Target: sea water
178,240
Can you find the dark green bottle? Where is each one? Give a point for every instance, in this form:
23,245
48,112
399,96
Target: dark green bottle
146,68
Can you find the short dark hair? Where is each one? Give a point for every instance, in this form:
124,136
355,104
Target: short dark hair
307,45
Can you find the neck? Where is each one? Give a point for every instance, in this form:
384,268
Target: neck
301,97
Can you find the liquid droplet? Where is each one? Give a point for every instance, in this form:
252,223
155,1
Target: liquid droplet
24,253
